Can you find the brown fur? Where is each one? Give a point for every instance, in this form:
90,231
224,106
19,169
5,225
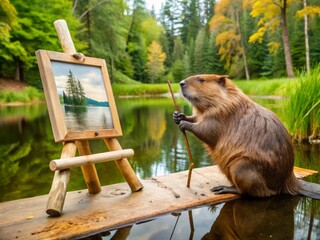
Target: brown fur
248,142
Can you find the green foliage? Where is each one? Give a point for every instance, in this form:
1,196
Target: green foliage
178,70
200,49
121,31
8,19
178,49
120,78
109,41
213,63
303,107
27,95
142,89
34,30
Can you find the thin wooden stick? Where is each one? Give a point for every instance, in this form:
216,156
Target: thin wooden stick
72,162
185,139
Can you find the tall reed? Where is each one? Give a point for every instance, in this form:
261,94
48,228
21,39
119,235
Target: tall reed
302,110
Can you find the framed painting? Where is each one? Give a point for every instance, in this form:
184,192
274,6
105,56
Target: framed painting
79,97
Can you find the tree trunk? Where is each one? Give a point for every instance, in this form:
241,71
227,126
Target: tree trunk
245,62
19,71
285,39
306,37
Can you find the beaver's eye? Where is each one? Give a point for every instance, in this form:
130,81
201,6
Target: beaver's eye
201,80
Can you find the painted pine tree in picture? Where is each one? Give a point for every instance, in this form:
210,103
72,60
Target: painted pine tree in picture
74,93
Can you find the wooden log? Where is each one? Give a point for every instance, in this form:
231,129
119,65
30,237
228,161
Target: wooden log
60,181
89,171
64,36
124,165
60,164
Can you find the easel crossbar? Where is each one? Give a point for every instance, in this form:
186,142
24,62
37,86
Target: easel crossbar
72,162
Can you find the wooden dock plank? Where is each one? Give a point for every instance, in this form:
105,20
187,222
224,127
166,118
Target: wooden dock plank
85,214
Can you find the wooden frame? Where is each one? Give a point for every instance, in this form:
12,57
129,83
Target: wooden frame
69,120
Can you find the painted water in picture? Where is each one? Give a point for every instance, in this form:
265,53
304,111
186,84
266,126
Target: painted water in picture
83,96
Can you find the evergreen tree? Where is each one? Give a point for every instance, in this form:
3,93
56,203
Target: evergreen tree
191,23
169,18
178,49
208,11
213,63
200,51
65,98
75,94
178,66
109,41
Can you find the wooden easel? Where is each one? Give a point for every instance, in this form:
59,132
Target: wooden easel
61,177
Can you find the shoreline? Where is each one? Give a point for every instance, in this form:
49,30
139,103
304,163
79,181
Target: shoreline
20,104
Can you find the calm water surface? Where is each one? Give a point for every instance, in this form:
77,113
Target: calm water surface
80,118
27,146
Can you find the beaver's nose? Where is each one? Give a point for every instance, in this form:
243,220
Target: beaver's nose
183,83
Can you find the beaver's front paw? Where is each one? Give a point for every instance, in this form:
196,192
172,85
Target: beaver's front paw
178,117
184,125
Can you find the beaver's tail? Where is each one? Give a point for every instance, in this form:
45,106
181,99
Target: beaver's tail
309,189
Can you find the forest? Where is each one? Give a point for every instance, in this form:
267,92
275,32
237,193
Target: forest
245,39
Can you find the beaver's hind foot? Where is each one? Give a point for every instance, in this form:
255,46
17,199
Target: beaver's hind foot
224,189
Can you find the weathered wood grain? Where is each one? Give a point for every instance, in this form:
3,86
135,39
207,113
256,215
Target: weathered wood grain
85,214
124,165
89,171
60,182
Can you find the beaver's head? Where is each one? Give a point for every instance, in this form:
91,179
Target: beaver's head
208,90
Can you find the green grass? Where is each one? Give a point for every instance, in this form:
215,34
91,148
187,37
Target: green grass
142,89
253,87
302,110
27,95
263,87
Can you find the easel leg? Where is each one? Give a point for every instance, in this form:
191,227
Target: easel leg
124,165
59,184
89,170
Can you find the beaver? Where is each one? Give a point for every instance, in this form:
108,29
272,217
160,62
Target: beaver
247,141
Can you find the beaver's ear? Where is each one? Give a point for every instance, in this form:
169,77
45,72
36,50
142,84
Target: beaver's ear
222,81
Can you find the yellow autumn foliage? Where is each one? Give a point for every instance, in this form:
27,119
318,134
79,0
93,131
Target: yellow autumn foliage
156,58
229,46
273,47
258,35
269,12
311,11
218,21
157,125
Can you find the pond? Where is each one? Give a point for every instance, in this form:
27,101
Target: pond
27,146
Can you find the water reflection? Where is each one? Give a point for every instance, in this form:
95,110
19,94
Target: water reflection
255,219
279,217
80,118
27,146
